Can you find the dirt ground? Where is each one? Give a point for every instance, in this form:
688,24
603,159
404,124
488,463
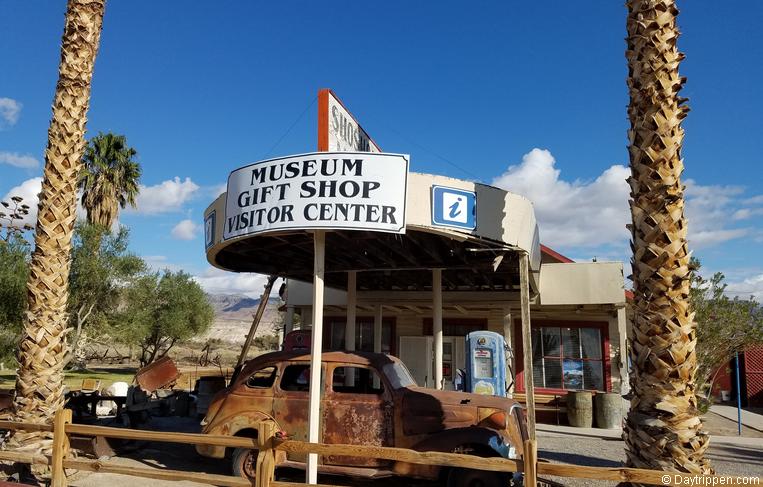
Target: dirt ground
729,456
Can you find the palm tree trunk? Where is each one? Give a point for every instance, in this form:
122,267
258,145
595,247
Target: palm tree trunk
39,386
663,428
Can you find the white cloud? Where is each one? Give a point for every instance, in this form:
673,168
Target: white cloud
752,286
572,214
755,200
708,238
216,281
590,216
10,110
29,191
165,197
747,213
18,160
186,230
709,210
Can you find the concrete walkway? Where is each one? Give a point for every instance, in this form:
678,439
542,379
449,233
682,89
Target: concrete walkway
749,419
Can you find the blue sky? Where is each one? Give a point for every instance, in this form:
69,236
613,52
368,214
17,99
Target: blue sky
530,96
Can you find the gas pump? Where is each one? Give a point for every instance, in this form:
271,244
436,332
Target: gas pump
485,364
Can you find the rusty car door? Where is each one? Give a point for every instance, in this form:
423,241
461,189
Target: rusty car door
290,403
358,411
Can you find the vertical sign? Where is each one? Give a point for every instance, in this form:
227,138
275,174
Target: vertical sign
209,230
337,129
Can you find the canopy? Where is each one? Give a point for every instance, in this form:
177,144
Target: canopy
484,258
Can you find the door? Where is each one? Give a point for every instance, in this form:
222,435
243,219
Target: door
291,403
359,411
416,354
452,360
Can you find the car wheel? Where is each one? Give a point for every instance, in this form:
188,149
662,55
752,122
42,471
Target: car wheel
245,463
460,477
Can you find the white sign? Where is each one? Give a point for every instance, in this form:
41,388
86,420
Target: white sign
329,190
337,128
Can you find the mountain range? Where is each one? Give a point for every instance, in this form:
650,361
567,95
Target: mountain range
234,314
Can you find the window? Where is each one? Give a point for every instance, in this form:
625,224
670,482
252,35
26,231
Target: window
262,379
568,358
296,378
356,380
364,334
398,375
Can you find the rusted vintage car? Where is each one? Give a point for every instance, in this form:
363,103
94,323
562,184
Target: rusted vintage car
367,399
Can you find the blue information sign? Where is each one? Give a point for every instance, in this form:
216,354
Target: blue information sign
454,208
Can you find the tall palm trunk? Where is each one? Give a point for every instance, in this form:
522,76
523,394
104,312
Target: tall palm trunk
663,428
39,387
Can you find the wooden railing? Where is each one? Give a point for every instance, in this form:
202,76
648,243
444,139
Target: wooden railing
267,444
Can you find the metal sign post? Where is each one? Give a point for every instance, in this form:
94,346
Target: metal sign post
314,419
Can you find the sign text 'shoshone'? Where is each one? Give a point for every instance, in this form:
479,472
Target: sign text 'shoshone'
322,190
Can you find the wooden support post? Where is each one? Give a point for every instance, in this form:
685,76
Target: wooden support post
527,345
530,459
349,330
507,338
622,329
256,320
352,298
316,347
266,459
437,325
378,316
60,447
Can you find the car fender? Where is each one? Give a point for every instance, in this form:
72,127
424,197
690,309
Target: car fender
232,426
450,439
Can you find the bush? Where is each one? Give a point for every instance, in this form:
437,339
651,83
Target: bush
267,342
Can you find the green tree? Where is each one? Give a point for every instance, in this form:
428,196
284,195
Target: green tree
102,266
15,253
14,272
162,309
109,178
724,325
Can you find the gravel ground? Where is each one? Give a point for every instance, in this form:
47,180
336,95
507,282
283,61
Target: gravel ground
726,459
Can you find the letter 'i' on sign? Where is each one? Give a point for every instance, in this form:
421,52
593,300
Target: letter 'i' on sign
452,207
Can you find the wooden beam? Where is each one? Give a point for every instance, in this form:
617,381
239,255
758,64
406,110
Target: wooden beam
461,309
530,458
527,347
413,308
60,447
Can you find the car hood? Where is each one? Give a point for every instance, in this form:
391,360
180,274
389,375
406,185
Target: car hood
456,398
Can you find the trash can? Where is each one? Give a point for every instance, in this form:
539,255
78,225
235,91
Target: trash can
608,410
580,409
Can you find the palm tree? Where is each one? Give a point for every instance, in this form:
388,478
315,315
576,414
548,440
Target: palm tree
39,385
663,428
109,178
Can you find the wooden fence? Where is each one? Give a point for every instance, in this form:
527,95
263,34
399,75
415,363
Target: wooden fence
267,444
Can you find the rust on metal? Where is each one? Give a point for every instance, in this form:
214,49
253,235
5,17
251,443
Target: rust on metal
366,399
157,375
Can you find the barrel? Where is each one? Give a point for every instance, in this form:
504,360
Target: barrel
608,410
580,409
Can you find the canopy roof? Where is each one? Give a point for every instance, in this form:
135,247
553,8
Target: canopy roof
485,258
